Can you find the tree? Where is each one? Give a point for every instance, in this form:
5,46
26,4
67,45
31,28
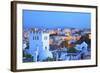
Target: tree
64,44
84,38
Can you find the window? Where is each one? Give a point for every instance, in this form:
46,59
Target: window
35,38
45,37
45,47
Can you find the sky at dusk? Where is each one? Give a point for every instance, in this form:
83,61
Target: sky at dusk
50,19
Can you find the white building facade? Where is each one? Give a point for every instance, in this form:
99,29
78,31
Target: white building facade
39,46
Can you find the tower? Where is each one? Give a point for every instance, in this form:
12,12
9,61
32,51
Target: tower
39,45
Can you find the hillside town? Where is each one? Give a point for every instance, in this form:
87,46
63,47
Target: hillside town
56,44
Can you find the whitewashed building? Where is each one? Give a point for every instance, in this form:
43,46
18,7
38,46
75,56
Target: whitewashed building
39,46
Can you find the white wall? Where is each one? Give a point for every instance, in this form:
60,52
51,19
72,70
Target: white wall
5,37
